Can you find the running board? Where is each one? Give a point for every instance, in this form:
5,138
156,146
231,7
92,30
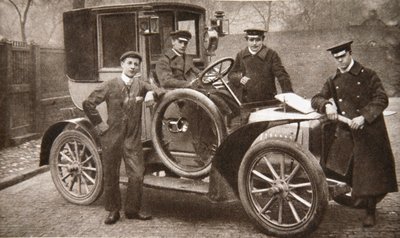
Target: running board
176,184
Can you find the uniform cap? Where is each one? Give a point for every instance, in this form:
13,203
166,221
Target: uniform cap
340,49
181,35
132,54
254,32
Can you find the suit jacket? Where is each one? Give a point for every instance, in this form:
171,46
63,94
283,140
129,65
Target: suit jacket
262,69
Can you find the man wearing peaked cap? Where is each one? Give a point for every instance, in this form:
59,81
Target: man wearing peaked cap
255,69
360,153
120,135
181,35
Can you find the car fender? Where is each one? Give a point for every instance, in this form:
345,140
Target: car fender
81,124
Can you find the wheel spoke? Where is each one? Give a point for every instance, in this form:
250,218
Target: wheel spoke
66,157
282,167
85,185
299,185
71,186
293,173
294,212
87,159
300,199
262,176
76,151
82,153
70,151
89,168
264,190
271,168
268,205
65,177
63,165
88,177
79,185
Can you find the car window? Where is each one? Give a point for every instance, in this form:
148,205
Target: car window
117,34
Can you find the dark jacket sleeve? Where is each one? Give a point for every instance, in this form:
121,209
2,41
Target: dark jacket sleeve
95,98
236,72
379,100
281,74
319,101
166,77
150,87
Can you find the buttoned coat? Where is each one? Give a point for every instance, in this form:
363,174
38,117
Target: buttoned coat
122,139
262,69
360,92
175,71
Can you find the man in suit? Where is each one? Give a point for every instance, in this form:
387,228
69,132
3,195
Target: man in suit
121,135
255,69
361,151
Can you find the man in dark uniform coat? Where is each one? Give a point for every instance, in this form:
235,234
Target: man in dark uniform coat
255,69
359,95
121,135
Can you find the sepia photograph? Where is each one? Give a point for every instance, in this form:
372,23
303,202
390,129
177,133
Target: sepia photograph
207,118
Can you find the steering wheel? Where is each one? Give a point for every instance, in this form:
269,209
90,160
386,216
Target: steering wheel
216,70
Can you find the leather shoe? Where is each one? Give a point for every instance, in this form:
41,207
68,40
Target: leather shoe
112,218
139,216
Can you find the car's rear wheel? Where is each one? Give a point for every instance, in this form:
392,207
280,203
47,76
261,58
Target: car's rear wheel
76,168
282,188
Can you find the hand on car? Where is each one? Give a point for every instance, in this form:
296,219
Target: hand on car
244,80
331,112
357,123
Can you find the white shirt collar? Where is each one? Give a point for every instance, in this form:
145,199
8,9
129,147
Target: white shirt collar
254,52
348,67
176,52
126,79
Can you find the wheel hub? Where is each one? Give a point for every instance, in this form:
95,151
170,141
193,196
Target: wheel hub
281,187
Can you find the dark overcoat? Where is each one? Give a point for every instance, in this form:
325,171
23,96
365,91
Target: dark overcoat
122,139
360,92
262,69
175,71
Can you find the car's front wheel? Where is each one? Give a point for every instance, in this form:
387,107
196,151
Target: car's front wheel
282,188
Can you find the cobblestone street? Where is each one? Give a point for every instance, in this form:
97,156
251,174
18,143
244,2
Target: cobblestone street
17,160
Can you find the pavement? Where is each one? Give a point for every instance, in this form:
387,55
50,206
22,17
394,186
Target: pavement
19,163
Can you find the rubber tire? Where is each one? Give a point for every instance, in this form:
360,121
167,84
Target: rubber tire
316,176
57,145
207,105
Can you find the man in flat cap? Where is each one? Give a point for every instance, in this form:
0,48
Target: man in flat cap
120,136
255,69
360,152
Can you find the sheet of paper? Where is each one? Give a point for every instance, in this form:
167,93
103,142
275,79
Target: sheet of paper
295,101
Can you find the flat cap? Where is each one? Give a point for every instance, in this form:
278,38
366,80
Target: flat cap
181,35
255,32
340,49
132,54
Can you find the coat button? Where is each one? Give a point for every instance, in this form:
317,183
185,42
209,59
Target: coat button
358,96
337,87
358,110
343,113
358,83
340,100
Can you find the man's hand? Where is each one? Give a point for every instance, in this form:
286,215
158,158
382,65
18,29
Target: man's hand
101,128
244,80
331,112
357,123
